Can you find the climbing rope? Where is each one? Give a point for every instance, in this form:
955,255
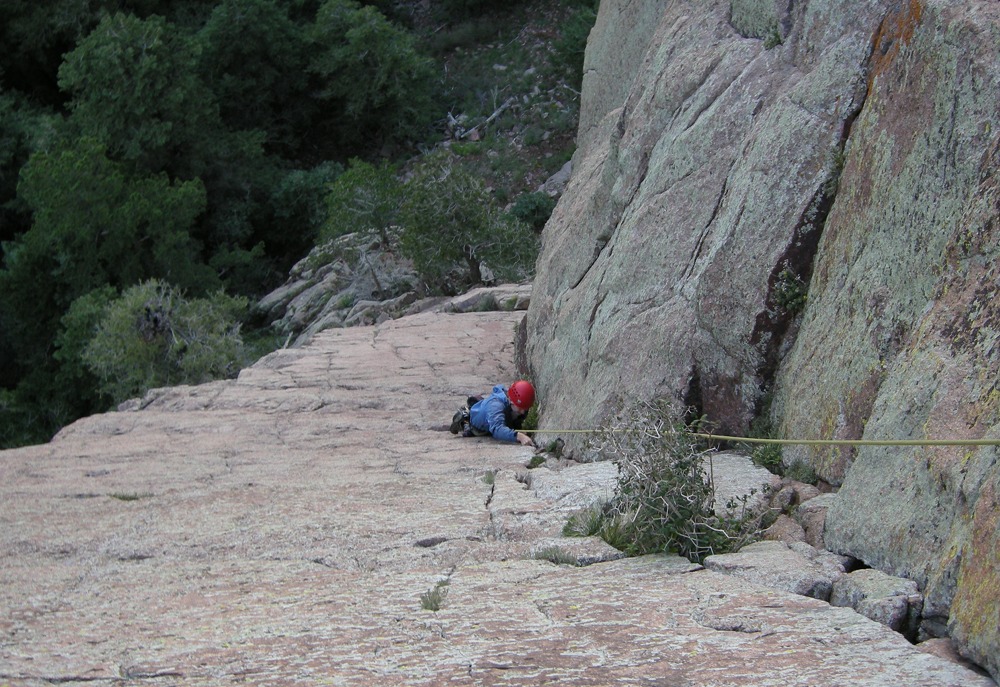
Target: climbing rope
801,442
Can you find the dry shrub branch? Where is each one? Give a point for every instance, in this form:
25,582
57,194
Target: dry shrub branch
665,496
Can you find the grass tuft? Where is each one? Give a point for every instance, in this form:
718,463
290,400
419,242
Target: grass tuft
434,598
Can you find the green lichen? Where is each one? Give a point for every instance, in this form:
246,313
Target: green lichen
755,19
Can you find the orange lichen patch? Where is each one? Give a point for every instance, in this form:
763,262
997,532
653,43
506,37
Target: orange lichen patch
895,31
975,612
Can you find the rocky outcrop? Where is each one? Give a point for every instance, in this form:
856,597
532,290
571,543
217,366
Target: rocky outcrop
354,280
694,210
892,601
791,208
797,567
313,522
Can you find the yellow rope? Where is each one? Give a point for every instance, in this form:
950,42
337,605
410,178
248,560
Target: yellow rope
806,442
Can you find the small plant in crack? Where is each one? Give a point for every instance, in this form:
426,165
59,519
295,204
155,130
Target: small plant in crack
773,39
129,496
536,461
585,523
490,477
555,448
433,598
556,555
790,292
838,158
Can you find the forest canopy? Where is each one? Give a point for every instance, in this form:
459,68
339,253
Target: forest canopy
178,157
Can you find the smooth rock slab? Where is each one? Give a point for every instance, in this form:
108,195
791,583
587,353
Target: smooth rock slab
283,528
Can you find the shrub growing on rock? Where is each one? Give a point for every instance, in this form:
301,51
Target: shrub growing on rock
152,336
665,496
451,230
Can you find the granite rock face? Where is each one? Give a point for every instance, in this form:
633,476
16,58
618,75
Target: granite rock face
698,196
900,337
300,524
791,207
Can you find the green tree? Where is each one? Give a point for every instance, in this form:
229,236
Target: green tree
135,88
98,224
254,58
152,336
372,74
364,199
93,225
451,228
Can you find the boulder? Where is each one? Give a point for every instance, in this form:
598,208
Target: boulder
893,601
811,515
793,567
785,530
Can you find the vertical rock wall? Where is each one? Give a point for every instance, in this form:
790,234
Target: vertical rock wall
738,159
900,337
704,174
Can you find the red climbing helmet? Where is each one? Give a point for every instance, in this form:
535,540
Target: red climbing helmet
521,394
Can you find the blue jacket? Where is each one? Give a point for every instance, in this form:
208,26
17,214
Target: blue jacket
490,415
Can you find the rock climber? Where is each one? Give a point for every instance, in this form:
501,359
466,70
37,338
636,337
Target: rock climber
500,414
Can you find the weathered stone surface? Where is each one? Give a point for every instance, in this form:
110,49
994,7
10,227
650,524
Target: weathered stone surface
945,648
691,194
915,343
812,516
892,601
785,530
289,528
347,281
718,181
794,567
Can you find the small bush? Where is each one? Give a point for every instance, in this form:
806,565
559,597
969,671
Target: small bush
152,336
534,209
773,39
434,598
801,472
765,455
790,292
585,523
664,501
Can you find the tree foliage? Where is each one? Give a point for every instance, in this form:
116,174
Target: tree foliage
367,199
135,88
451,229
201,144
93,225
371,72
152,336
253,58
